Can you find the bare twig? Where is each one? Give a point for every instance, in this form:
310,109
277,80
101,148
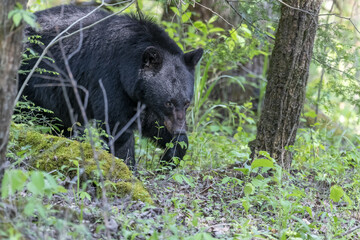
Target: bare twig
331,67
207,188
106,107
139,119
250,23
82,88
348,232
326,14
73,83
212,11
128,124
80,43
295,8
107,125
62,84
342,17
106,114
251,72
319,95
218,225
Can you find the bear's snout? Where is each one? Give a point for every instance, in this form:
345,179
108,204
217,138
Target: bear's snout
176,122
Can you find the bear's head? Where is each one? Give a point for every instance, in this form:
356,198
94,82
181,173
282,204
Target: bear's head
168,85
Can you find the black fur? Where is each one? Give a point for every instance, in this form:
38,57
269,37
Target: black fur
136,62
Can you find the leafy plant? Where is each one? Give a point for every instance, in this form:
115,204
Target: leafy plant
19,14
26,112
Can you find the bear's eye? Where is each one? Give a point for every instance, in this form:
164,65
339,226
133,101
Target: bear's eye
169,104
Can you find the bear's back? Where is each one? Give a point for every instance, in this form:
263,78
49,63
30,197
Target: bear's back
61,17
117,28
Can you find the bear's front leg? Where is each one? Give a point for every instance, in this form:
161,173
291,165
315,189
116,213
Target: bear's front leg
162,137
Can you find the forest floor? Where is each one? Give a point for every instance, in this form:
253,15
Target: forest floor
206,197
208,204
222,204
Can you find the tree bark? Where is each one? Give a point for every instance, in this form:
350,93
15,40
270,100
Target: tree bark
10,55
287,79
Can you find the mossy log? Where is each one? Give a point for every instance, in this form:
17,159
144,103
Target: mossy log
51,153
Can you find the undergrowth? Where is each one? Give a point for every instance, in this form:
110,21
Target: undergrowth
215,193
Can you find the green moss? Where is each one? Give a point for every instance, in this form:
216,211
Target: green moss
128,188
51,153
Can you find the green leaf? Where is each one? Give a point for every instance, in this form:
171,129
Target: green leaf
51,186
17,18
265,154
140,4
237,38
225,180
175,10
14,180
29,18
184,7
233,34
41,210
169,145
336,193
189,181
84,195
239,154
75,162
262,163
243,170
213,18
37,183
347,199
260,182
308,209
29,208
179,44
201,236
201,27
246,205
216,29
177,177
183,144
249,189
310,114
11,13
19,5
230,44
246,31
185,17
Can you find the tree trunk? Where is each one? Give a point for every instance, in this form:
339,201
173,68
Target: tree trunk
287,79
10,55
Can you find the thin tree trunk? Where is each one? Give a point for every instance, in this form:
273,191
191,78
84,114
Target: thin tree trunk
287,79
10,54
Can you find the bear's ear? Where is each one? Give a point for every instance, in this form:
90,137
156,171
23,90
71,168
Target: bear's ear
193,57
152,58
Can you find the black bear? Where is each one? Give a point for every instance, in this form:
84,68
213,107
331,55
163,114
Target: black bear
129,60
